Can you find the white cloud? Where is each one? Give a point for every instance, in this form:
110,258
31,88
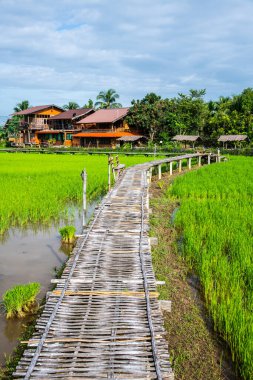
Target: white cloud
55,51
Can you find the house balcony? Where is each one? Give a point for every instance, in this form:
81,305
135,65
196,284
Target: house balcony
38,126
98,130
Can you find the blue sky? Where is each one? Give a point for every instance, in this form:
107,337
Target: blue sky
59,51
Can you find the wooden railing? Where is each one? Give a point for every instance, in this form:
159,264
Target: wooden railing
208,157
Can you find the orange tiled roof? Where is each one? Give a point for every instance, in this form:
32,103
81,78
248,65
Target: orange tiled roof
103,134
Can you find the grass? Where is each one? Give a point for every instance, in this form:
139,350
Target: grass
39,188
67,234
215,221
20,300
194,351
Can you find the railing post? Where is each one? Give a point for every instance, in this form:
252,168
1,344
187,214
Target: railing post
209,159
218,155
179,166
199,163
151,172
171,168
110,164
189,163
159,171
84,178
148,177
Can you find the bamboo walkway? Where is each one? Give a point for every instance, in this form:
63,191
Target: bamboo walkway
103,321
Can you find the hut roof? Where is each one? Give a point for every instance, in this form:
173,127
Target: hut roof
105,116
185,138
71,114
225,138
36,109
131,138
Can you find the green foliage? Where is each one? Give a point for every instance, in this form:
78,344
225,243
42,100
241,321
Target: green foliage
22,106
71,106
12,127
89,104
20,300
107,99
216,220
67,234
190,114
164,118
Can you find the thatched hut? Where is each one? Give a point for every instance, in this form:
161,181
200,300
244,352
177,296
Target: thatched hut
187,139
225,139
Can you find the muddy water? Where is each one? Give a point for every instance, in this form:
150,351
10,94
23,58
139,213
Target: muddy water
30,255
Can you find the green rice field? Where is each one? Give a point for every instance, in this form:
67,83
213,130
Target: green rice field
215,222
38,188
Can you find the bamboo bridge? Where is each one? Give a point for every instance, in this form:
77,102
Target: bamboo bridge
102,321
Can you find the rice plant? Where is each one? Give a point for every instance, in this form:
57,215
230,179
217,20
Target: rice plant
67,234
215,220
20,300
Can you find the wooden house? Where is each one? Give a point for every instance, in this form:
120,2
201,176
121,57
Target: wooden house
34,120
103,128
63,125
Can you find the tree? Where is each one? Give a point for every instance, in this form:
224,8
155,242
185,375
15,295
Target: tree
192,111
107,99
146,114
24,105
13,125
89,104
71,106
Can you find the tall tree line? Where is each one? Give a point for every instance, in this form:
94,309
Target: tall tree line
191,114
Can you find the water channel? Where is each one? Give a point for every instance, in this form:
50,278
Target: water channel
30,255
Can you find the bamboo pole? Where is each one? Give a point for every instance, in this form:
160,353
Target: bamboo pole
171,168
179,166
84,178
110,161
159,171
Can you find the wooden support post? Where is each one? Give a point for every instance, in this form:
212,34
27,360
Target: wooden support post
199,163
189,163
153,241
171,168
209,159
110,161
84,178
148,178
159,171
218,156
179,166
165,305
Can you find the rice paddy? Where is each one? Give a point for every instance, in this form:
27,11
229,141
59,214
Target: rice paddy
215,220
38,189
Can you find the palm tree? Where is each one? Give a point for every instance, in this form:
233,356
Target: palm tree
108,99
89,104
71,106
22,106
